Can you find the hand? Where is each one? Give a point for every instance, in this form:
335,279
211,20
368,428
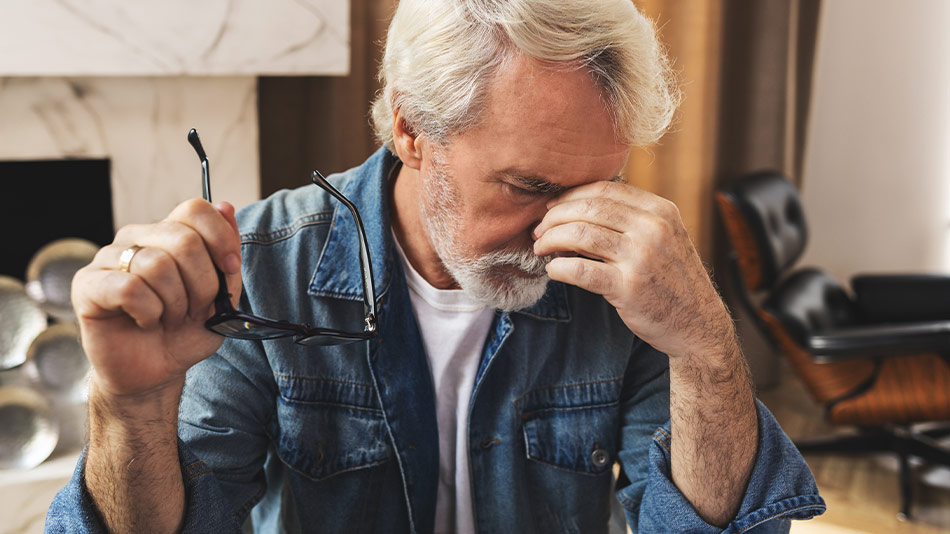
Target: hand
638,255
142,329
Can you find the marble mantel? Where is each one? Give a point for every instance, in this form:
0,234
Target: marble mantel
126,79
173,37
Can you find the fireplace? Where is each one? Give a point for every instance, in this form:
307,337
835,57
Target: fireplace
41,201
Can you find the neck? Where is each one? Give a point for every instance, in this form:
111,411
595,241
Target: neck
411,233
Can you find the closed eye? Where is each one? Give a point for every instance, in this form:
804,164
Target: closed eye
521,193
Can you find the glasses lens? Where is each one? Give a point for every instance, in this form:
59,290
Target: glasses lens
326,339
243,329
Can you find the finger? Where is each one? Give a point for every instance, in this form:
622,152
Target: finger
593,276
234,279
585,239
619,192
219,234
227,210
190,253
103,294
601,211
160,271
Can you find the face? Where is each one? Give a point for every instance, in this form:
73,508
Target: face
542,131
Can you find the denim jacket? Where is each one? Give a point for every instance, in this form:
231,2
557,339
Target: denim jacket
344,438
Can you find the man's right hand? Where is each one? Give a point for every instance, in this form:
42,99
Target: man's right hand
143,329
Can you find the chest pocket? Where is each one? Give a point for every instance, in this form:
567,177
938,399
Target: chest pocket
325,427
573,427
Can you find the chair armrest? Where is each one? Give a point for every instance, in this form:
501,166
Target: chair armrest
902,298
871,342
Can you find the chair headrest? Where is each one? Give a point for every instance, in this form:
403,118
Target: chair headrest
773,211
809,302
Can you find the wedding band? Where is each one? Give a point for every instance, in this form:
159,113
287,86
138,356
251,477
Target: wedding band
125,259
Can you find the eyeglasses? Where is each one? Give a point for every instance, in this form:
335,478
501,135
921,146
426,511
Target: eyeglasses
229,322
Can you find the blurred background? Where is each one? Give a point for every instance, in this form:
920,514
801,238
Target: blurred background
849,99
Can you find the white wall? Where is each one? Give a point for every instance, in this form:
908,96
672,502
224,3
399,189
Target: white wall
877,161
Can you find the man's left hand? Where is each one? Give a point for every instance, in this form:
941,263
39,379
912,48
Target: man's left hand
635,251
637,254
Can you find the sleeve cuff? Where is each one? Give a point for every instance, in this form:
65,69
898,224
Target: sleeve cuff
781,488
207,509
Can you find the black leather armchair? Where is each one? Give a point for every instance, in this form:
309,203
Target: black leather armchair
877,357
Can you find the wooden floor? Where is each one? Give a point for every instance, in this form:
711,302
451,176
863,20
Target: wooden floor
861,491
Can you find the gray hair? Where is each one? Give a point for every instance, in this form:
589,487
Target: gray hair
441,54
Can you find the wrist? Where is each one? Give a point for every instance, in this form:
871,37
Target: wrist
154,412
722,356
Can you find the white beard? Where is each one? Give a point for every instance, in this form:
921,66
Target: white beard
486,278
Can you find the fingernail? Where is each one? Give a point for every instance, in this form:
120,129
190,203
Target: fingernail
232,263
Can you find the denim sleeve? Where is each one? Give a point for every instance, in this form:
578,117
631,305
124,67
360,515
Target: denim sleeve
226,407
781,486
226,403
206,508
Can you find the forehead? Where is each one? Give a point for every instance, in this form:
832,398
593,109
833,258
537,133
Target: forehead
544,121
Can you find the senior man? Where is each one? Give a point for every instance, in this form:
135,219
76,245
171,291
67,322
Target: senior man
538,321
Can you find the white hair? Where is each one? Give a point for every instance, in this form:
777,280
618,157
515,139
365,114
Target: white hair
440,54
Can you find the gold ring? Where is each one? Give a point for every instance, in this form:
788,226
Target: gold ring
125,259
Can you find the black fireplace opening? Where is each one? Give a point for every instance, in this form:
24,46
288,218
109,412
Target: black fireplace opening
42,201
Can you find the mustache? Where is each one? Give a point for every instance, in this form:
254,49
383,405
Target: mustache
524,260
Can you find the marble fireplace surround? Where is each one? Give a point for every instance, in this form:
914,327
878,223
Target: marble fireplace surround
126,79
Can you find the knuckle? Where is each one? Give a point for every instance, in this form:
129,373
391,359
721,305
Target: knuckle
156,264
105,255
186,242
605,241
670,209
657,228
130,289
580,231
616,214
590,207
127,233
190,208
581,270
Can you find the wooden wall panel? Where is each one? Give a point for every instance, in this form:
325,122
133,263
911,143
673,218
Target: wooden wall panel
681,167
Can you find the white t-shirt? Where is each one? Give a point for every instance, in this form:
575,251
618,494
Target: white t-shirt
453,329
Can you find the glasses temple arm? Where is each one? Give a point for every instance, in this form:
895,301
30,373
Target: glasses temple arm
222,301
366,266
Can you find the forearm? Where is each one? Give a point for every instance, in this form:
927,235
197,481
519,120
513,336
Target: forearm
132,468
715,430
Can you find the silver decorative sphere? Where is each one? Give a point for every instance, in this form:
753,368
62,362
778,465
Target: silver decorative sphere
28,433
58,365
49,275
21,320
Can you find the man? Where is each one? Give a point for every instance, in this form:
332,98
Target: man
493,399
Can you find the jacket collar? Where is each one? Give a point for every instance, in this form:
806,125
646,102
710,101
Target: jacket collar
337,272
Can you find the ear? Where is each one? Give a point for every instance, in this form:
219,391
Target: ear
407,142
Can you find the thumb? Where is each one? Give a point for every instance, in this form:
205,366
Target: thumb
233,279
226,209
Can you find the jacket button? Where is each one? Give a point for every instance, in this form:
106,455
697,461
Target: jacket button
487,444
599,457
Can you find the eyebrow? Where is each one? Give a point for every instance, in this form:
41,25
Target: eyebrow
539,184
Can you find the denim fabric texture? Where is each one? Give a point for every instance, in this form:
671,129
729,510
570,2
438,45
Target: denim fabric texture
344,438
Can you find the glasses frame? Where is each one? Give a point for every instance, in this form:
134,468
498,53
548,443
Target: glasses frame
225,314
